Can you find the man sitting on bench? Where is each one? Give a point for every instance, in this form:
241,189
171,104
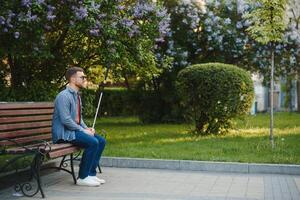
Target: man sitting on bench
68,126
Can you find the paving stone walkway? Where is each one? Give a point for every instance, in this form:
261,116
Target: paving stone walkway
155,184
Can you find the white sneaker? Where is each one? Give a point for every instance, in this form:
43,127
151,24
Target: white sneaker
95,178
88,181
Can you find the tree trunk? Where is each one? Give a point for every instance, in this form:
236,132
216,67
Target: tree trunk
16,75
298,93
288,97
126,82
271,98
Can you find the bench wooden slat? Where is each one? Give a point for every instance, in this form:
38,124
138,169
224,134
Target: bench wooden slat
62,152
26,132
25,112
6,127
22,105
14,150
54,147
5,120
25,140
60,146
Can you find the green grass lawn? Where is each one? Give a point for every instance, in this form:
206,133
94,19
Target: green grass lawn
249,142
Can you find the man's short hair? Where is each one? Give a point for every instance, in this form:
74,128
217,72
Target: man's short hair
71,71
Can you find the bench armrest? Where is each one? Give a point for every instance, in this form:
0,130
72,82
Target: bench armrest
40,146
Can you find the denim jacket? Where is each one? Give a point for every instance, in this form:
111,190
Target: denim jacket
63,120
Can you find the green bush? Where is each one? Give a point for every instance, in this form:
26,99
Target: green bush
213,94
115,102
37,91
157,107
89,105
149,106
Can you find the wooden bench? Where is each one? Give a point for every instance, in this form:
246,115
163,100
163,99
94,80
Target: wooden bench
25,130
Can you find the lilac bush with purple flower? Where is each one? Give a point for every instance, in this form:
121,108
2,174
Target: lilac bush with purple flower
38,36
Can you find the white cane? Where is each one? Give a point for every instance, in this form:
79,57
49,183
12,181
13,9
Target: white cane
100,98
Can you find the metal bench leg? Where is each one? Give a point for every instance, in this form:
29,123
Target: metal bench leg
27,188
72,168
38,160
62,162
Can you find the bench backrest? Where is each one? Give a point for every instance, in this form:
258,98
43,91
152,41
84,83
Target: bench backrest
25,122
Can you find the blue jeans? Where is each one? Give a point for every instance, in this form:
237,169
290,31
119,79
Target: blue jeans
93,147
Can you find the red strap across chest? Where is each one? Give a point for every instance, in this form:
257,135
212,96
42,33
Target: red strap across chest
78,109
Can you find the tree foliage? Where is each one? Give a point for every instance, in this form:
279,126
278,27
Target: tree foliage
267,18
39,39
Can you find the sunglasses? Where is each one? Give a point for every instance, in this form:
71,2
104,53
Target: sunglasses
83,77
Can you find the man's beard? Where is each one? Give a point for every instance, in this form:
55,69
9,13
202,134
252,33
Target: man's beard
80,86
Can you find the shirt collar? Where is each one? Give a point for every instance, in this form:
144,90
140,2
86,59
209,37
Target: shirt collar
71,90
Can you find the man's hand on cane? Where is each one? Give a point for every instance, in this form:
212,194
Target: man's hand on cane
90,131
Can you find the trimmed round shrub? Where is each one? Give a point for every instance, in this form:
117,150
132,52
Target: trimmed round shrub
213,94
